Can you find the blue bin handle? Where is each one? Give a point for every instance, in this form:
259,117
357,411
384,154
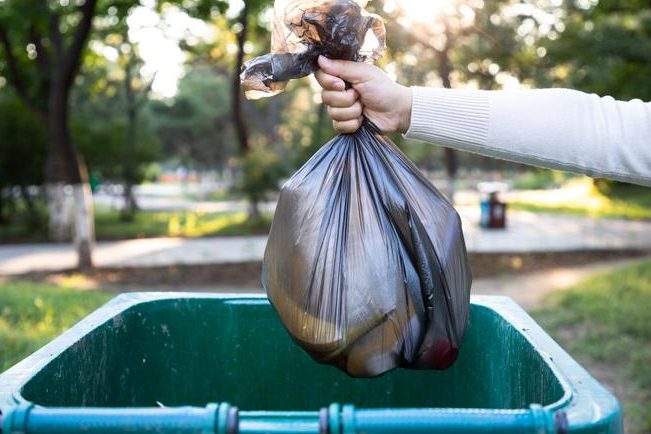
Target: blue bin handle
535,420
225,419
213,419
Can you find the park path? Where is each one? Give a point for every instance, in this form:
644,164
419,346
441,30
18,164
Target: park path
531,289
526,232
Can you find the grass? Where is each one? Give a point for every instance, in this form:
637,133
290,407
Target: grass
606,321
31,314
541,179
188,224
148,224
581,198
215,196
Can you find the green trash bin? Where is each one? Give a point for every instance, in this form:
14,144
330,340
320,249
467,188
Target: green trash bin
196,363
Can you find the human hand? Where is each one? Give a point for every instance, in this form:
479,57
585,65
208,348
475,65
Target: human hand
384,102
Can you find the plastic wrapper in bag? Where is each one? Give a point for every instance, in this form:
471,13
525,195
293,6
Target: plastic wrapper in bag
305,29
366,263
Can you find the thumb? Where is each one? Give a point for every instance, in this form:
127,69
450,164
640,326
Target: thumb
352,72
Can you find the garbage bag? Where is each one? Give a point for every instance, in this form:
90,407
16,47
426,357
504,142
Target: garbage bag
366,262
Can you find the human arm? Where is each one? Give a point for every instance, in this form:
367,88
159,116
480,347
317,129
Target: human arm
552,128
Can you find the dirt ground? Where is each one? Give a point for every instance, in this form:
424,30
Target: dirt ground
247,275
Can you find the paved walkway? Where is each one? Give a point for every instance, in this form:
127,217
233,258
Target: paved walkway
526,232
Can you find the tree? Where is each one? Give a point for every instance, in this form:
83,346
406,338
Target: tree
135,92
261,168
43,75
108,126
462,43
246,17
43,44
195,128
605,48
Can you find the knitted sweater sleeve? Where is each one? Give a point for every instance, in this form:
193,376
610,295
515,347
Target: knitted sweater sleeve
552,128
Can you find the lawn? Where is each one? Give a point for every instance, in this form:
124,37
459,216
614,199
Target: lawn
148,224
188,224
31,314
605,322
580,197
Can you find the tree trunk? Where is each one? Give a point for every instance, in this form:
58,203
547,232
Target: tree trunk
32,217
451,168
130,205
60,214
60,169
274,120
84,236
84,217
254,209
69,195
239,122
2,205
445,71
238,115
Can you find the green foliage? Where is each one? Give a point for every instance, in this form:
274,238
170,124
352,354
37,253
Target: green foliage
108,126
103,142
607,319
472,41
261,171
580,197
537,179
194,128
605,49
22,157
22,225
31,314
23,140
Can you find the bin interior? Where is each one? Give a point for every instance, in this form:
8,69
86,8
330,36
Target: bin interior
192,351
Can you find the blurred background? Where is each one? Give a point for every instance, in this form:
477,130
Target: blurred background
129,160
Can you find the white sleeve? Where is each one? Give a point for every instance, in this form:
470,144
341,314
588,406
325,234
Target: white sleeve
552,128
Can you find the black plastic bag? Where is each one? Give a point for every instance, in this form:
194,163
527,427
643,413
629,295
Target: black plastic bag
366,262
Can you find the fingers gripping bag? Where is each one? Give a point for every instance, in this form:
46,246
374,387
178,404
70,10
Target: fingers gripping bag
366,263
